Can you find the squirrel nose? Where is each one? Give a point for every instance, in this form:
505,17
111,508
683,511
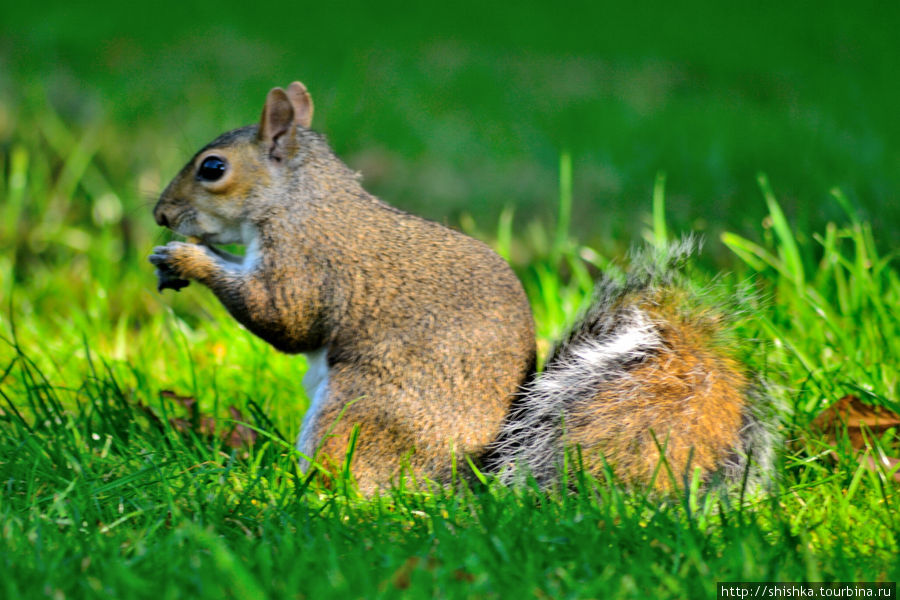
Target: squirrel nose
161,218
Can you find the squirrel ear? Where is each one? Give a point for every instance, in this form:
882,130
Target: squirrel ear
277,120
303,104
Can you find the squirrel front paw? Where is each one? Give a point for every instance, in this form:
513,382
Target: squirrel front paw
177,262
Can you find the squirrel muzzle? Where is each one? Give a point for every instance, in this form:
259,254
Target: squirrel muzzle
160,215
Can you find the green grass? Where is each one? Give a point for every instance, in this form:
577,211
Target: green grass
103,496
465,107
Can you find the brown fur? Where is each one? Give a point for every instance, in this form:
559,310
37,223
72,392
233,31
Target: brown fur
686,399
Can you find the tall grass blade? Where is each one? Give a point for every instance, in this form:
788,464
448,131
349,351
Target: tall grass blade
660,233
564,216
787,247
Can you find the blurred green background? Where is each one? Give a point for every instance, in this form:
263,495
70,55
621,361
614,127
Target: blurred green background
464,108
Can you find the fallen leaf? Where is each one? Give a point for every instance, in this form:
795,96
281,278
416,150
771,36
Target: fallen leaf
236,437
463,575
188,402
860,419
240,435
886,462
402,576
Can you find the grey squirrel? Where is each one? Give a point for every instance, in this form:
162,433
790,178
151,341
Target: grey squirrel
423,338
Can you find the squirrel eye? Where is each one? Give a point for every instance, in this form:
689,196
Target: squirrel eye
212,168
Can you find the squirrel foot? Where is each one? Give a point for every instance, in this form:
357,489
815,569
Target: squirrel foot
167,281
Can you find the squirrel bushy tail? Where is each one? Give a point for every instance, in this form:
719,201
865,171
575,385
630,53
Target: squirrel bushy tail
645,372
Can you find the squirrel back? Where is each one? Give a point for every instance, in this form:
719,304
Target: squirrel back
421,338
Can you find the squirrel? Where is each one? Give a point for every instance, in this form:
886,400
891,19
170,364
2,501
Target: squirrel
420,340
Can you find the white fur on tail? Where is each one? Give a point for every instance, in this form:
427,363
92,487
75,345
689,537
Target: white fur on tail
531,437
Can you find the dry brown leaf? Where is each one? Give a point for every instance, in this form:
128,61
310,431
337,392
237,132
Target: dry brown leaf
861,421
240,435
849,411
887,463
237,437
186,401
402,576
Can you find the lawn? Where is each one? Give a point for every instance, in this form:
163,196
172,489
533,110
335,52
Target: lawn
145,438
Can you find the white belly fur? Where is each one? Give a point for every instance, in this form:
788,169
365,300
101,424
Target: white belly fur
315,382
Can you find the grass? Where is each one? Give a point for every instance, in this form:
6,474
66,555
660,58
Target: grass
112,489
416,96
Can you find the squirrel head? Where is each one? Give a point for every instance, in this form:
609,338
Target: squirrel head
211,196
